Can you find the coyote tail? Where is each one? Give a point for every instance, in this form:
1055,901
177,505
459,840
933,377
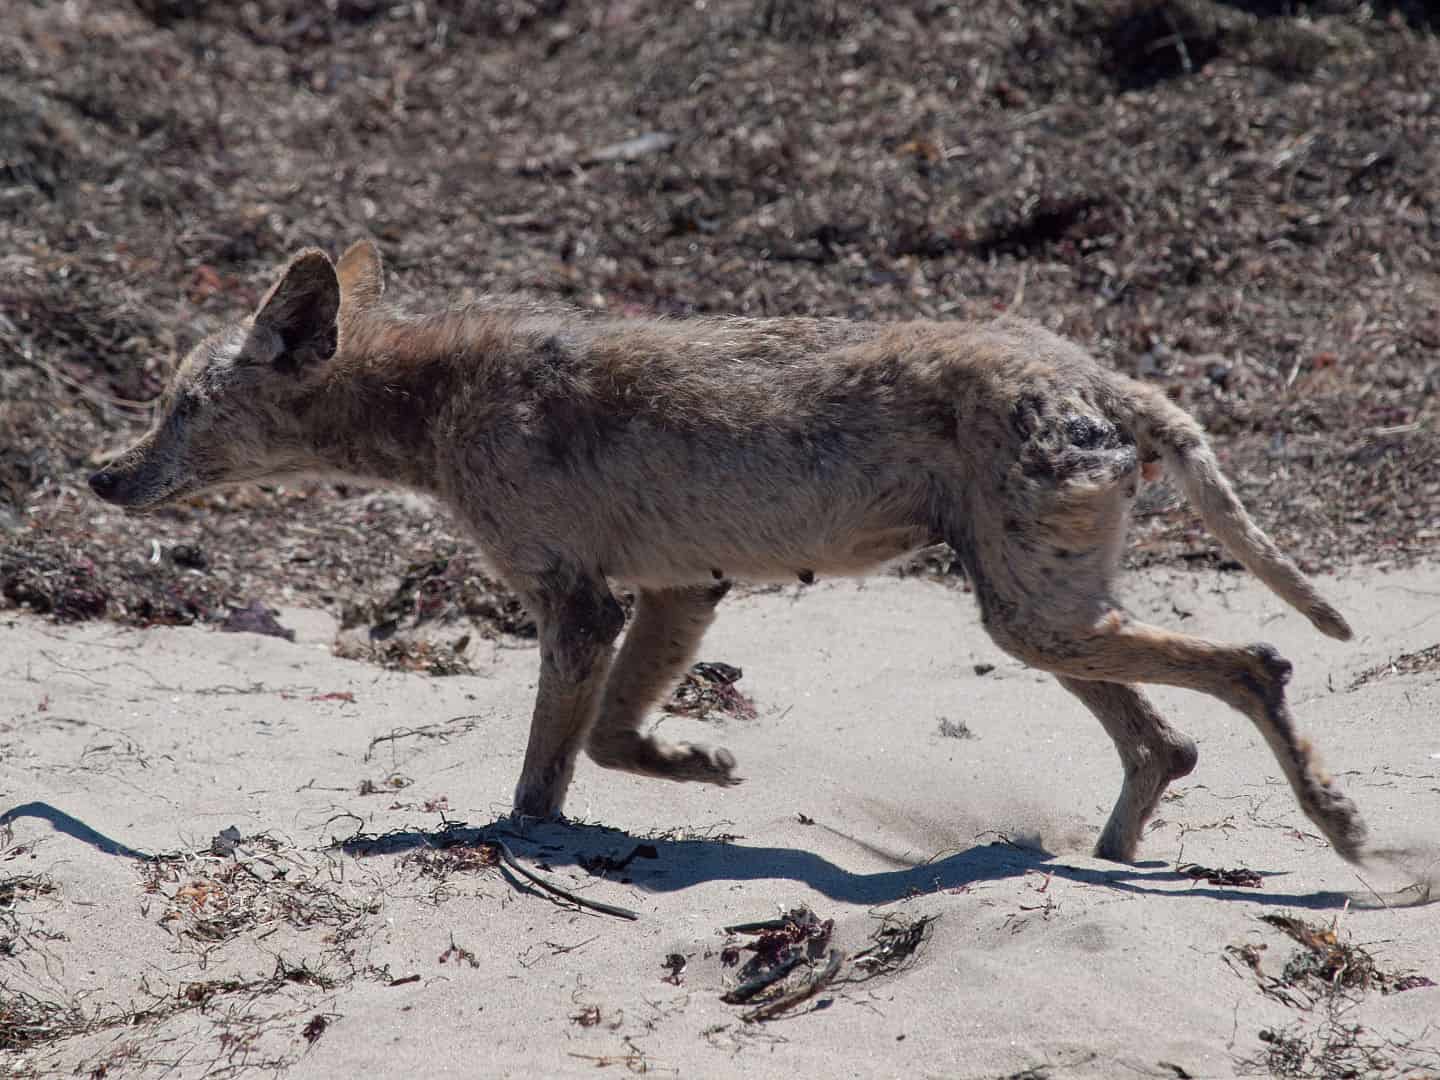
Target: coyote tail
1163,428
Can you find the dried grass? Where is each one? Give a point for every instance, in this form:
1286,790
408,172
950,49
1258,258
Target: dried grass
1324,980
211,899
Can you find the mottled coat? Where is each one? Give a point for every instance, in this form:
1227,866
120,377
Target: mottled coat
672,456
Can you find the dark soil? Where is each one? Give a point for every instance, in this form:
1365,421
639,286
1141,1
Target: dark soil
1236,200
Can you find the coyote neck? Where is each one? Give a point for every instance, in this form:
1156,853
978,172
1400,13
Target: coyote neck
381,410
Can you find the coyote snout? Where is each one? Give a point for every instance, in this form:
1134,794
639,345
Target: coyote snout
143,476
672,456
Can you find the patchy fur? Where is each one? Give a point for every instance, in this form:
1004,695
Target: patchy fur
666,455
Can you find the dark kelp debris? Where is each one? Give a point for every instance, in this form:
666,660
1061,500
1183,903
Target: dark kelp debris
24,887
955,729
605,865
781,946
674,966
894,944
459,954
1335,1049
1239,877
1323,981
443,591
707,687
411,654
27,1021
787,999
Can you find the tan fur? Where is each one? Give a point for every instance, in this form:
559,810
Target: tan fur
672,456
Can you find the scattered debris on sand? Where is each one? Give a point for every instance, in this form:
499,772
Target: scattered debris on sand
709,687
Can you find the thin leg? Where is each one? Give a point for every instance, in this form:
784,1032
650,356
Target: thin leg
1152,752
1250,679
579,622
660,644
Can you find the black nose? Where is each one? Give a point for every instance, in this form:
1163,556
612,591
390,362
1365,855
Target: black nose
104,484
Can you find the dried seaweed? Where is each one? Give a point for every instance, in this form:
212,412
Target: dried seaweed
1332,963
241,883
1337,1048
1238,877
456,833
709,687
27,1021
894,944
1322,981
1410,663
15,887
780,947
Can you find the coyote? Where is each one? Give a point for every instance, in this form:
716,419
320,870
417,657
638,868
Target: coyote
671,456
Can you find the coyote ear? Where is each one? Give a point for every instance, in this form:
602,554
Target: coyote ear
301,308
362,277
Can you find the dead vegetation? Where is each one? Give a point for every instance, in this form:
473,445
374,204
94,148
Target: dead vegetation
15,887
411,654
1327,963
1238,877
27,1021
781,947
422,625
896,942
444,863
709,687
793,959
1323,980
236,893
1411,663
443,590
215,896
1232,200
240,1010
1335,1049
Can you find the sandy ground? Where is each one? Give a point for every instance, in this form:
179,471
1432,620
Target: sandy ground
350,934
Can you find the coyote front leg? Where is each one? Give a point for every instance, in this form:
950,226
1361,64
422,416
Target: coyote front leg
660,644
579,621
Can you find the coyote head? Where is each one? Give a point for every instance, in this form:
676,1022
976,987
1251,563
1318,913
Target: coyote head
234,410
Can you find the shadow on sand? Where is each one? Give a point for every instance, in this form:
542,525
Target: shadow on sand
676,860
672,861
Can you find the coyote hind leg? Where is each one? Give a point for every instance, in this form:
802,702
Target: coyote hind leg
1152,752
1250,679
662,639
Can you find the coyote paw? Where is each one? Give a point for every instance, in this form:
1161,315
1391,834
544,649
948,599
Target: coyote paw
539,798
692,762
700,763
